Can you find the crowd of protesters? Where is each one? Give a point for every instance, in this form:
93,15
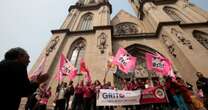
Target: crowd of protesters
82,96
39,99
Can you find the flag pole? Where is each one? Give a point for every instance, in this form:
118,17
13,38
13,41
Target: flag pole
108,66
106,72
43,60
79,74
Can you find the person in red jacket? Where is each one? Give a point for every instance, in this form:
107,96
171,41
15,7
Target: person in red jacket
87,95
78,101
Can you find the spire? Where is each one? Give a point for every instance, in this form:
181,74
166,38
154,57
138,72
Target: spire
138,5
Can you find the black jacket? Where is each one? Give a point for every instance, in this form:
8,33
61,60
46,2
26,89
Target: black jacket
15,83
202,83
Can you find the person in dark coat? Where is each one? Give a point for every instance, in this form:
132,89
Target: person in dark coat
69,93
13,68
202,83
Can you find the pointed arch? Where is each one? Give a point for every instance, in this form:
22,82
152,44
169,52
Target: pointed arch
140,71
175,14
201,37
139,51
77,51
86,22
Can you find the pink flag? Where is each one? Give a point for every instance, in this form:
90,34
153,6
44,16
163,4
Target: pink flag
84,69
66,68
39,70
124,60
158,63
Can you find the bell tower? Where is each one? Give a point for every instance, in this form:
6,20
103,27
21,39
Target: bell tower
85,33
182,28
97,12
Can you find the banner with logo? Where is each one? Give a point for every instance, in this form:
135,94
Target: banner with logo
153,95
108,97
118,97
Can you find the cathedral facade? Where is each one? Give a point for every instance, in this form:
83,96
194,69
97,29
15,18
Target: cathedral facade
177,29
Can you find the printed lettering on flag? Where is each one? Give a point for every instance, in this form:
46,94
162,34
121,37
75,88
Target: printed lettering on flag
158,63
66,68
124,60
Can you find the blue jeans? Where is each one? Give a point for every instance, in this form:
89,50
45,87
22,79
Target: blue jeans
180,102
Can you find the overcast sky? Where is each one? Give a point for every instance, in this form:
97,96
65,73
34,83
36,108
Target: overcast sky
27,23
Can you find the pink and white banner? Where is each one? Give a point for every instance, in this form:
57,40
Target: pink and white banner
124,60
158,63
108,97
65,68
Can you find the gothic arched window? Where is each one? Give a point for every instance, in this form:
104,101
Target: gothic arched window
77,52
201,37
85,22
125,28
174,14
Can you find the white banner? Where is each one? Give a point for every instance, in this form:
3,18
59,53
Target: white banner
109,97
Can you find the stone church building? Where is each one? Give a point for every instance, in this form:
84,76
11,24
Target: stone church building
177,29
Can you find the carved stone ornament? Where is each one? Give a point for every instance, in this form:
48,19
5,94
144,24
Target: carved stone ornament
169,45
181,39
102,42
52,45
125,28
